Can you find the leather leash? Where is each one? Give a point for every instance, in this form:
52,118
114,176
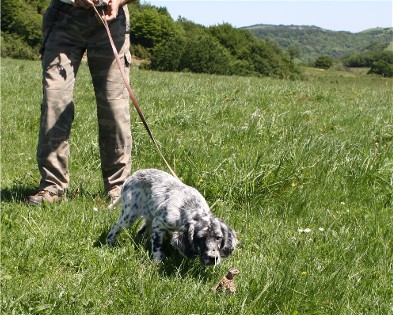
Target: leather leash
131,92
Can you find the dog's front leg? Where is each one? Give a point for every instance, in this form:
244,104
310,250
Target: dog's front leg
156,244
125,220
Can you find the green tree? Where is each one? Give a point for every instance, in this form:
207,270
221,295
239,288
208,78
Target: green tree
237,41
382,67
356,60
366,59
204,54
167,55
293,51
268,60
252,56
151,26
323,62
14,46
21,22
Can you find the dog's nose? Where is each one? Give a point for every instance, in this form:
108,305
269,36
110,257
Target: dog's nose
211,260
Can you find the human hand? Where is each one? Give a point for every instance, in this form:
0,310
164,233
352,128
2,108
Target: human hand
112,9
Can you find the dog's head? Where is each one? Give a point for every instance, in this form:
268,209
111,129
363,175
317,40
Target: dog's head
211,240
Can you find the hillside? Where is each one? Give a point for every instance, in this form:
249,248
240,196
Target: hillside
313,41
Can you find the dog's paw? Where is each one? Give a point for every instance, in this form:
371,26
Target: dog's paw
158,256
110,240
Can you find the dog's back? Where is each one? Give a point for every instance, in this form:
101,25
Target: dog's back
162,190
155,189
142,182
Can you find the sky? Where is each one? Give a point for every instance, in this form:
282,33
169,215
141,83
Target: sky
345,15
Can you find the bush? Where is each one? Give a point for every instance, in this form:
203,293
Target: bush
140,51
385,55
242,68
237,41
367,59
21,28
382,67
167,56
150,27
204,54
323,62
252,56
356,60
268,60
14,46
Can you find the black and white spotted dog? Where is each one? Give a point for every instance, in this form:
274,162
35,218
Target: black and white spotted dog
170,207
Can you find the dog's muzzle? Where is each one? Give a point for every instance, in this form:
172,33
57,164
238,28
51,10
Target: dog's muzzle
211,258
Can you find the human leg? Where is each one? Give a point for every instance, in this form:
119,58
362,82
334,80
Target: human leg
112,104
60,63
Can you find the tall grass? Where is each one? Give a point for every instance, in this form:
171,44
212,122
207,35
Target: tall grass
302,170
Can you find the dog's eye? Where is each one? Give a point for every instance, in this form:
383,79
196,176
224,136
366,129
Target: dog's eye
218,238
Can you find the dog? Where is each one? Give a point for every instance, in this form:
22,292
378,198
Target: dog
169,207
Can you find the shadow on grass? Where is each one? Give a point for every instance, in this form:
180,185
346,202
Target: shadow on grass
138,239
173,265
19,193
16,193
101,241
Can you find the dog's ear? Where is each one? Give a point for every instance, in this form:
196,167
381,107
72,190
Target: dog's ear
228,242
183,241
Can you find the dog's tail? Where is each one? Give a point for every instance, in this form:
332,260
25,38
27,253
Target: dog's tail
114,203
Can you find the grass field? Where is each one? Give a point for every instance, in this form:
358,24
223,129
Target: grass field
302,170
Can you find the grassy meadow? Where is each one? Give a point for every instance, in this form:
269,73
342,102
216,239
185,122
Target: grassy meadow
302,170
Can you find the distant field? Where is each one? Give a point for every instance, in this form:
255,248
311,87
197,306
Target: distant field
302,170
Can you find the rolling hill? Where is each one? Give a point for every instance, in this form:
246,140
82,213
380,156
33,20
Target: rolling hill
313,41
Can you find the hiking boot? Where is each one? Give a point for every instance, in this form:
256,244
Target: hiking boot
113,195
44,196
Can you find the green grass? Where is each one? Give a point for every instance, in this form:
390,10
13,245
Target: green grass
270,156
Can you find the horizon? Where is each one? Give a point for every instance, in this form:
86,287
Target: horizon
349,15
315,26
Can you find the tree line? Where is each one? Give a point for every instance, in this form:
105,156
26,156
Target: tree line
313,41
167,44
181,45
379,62
323,48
